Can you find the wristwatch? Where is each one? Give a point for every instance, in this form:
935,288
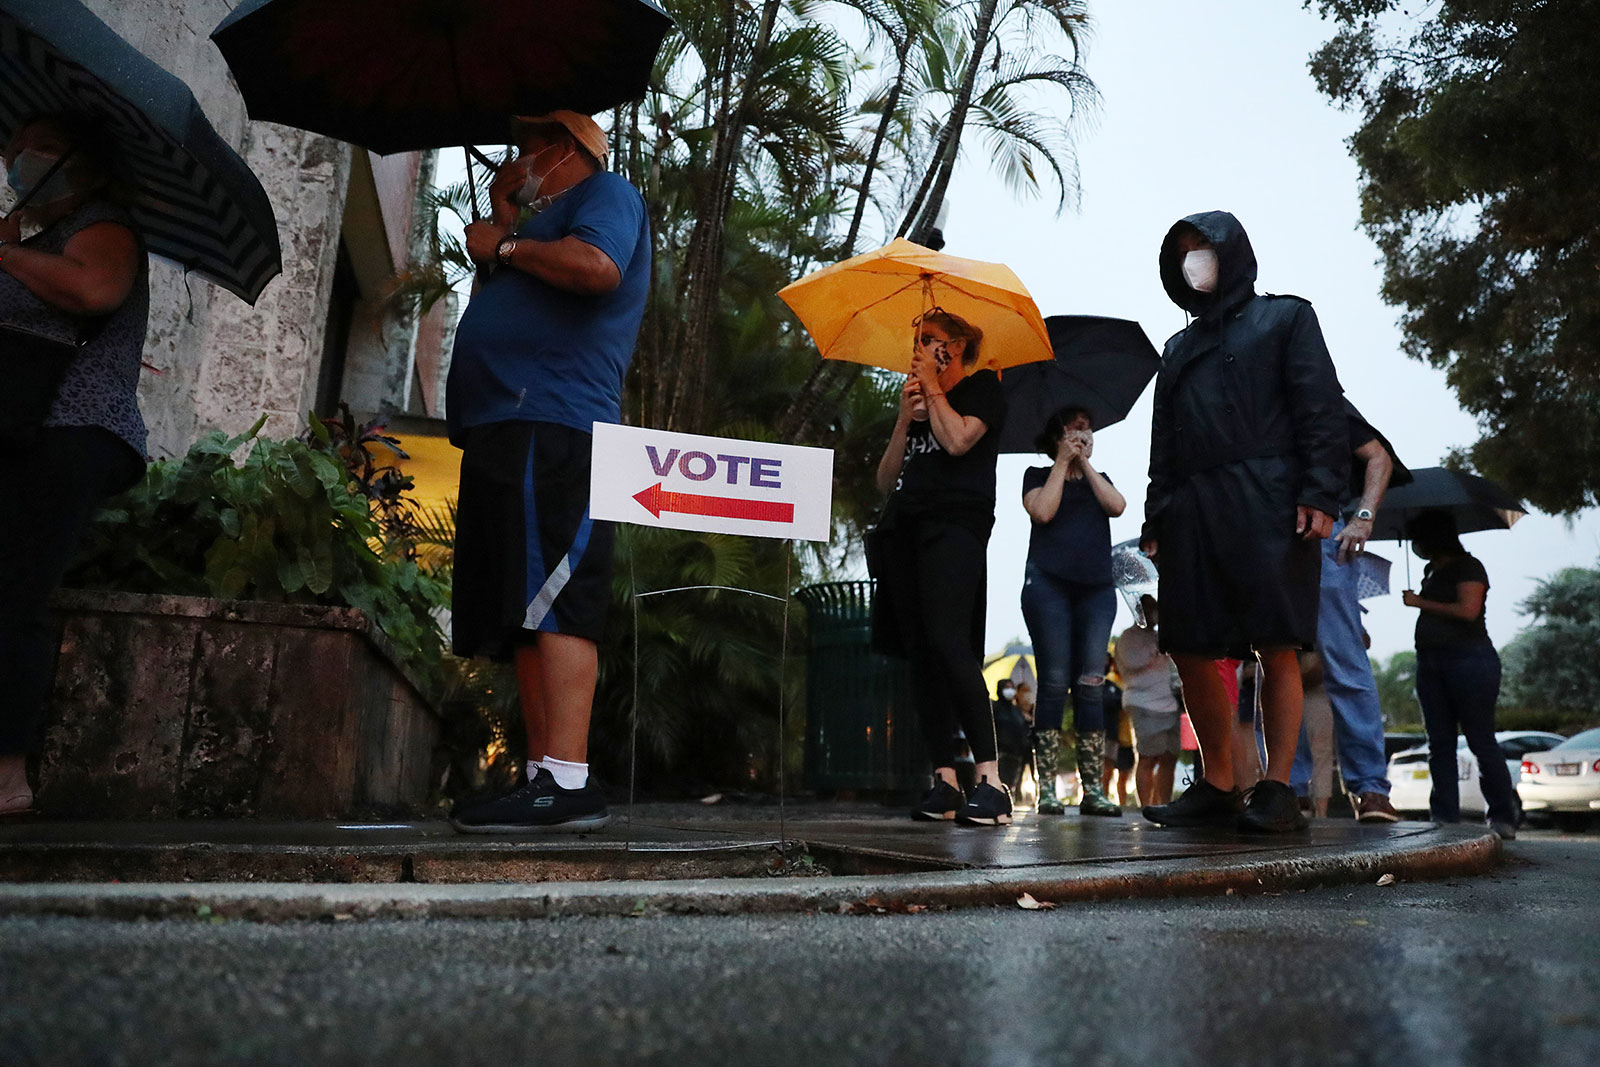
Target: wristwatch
1364,514
505,249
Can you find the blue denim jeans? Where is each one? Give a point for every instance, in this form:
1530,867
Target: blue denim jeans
1347,676
1457,688
1069,625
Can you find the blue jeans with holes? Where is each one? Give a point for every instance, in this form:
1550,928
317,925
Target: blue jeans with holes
1457,688
1069,625
1347,675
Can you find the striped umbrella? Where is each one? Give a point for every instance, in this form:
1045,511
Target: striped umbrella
193,199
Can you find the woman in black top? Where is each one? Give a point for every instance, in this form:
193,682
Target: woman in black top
927,553
1458,672
1069,602
82,274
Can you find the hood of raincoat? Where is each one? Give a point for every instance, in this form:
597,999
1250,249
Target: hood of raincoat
1236,264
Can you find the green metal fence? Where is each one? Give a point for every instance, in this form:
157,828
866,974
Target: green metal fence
861,730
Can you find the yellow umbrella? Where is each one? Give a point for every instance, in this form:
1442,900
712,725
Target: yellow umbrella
1017,667
865,309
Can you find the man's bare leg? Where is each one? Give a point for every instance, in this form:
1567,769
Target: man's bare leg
1207,704
1144,777
568,669
1166,769
530,695
1246,754
1281,704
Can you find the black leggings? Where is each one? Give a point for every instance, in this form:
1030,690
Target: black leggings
935,575
57,484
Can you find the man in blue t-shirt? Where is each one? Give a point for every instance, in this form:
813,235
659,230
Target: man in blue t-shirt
539,358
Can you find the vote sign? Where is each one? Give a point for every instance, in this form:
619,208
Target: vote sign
714,484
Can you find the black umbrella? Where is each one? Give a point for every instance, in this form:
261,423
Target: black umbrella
193,199
400,75
1101,365
1477,503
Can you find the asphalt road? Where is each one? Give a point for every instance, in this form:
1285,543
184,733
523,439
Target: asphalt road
1497,970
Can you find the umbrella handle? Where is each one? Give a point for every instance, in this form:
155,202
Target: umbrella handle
472,183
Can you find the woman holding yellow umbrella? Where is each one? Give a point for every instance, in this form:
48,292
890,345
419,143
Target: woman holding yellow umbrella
928,556
927,552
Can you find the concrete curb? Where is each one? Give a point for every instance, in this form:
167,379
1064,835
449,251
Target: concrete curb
1438,853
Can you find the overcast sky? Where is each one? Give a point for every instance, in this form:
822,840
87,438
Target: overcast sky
1211,106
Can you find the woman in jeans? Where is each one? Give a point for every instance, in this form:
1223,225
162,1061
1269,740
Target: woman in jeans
927,553
1069,603
1458,672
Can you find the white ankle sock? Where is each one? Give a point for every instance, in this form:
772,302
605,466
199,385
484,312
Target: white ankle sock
567,775
532,767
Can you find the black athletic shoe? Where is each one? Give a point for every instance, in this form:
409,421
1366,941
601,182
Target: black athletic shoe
1202,804
941,802
540,807
988,807
1271,808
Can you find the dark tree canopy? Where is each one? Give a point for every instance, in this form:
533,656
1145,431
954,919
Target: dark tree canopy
1552,664
1479,149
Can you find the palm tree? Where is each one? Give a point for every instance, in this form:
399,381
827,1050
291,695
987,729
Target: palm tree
978,65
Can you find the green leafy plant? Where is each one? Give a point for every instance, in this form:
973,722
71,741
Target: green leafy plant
291,522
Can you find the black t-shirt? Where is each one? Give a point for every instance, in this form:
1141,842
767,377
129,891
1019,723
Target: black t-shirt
932,482
1439,583
1075,545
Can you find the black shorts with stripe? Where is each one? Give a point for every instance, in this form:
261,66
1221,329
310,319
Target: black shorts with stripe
529,558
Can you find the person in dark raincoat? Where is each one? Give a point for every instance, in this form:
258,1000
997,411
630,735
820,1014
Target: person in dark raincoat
1249,458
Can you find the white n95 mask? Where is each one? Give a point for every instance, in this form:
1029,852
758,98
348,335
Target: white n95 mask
1200,270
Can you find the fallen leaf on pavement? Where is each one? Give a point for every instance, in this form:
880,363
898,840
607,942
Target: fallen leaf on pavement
1027,903
1387,879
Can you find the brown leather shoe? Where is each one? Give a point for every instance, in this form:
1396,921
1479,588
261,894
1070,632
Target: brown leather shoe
1374,807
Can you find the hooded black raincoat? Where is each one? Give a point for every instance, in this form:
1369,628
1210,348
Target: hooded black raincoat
1249,423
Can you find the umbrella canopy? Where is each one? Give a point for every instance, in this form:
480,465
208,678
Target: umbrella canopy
864,309
194,199
1018,666
1100,364
1477,503
402,75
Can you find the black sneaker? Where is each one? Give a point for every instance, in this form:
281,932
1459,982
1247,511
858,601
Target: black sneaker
540,807
1202,804
1271,808
988,807
941,802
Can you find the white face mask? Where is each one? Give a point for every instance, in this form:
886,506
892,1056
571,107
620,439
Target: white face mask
528,195
1008,693
1200,270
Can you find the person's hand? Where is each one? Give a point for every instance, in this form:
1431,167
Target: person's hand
483,238
1353,538
1069,451
1410,599
1150,548
11,229
1311,524
925,371
910,399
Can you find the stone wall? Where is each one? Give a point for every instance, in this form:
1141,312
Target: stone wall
223,363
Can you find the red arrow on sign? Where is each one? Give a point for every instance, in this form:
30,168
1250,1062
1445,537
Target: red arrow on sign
656,500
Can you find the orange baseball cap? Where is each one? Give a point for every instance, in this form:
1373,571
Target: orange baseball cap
584,129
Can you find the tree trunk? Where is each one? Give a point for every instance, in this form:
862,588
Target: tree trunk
702,282
945,162
828,376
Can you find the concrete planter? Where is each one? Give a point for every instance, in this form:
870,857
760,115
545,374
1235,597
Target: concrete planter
177,707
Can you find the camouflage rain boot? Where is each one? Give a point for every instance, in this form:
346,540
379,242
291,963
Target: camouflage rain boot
1095,801
1046,756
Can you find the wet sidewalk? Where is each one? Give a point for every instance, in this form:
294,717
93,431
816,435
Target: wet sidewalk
677,858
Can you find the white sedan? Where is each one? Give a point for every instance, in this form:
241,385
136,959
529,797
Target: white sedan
1564,781
1410,780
